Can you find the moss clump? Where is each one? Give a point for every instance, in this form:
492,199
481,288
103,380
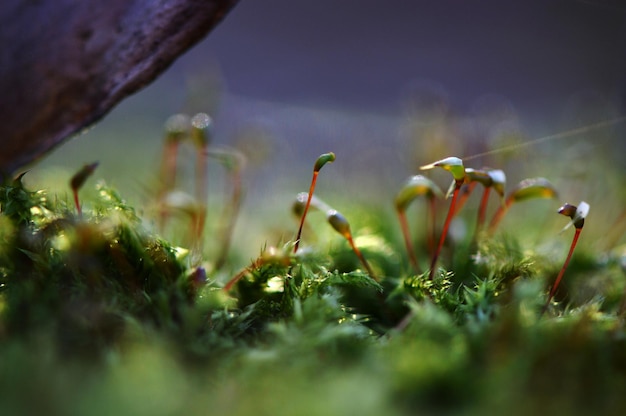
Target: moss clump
100,314
82,278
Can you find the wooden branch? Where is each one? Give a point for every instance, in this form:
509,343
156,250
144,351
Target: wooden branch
65,63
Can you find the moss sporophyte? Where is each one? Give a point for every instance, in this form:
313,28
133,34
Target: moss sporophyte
345,301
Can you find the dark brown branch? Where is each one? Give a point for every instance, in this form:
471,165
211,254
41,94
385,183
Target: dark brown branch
65,63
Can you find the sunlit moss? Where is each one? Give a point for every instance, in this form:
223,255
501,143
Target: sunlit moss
102,305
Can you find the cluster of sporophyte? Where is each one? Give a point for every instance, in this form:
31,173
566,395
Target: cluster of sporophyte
102,263
95,277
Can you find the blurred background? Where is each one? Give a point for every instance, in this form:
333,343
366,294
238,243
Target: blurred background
387,85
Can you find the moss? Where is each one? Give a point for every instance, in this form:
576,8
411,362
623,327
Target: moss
98,313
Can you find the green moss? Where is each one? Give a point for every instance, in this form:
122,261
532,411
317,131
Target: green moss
100,314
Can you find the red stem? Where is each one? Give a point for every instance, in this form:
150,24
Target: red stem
198,220
446,225
235,279
562,272
497,217
255,264
464,196
168,178
482,210
231,213
170,153
306,209
407,241
77,203
361,258
201,174
433,220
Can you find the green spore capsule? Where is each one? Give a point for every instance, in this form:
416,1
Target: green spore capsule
322,160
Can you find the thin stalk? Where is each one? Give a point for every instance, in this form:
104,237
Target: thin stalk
199,134
463,197
202,179
78,180
497,217
169,165
404,226
482,210
306,209
79,210
341,225
232,282
430,238
270,256
526,189
414,187
562,272
358,253
168,176
198,221
319,163
231,212
446,226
